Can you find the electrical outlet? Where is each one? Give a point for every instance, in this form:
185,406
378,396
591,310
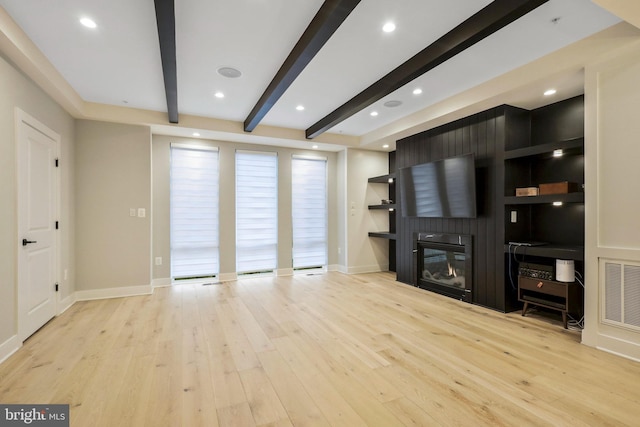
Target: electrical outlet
142,212
158,260
514,216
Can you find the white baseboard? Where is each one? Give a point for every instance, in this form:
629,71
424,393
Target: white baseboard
64,304
228,277
113,292
284,272
367,269
618,346
161,283
9,347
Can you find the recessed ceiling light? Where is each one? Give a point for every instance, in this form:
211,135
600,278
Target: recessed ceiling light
549,92
557,203
219,95
300,108
417,91
392,104
373,113
557,153
385,146
389,27
88,22
315,147
196,134
229,72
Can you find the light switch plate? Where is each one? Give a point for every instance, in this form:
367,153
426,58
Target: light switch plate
142,212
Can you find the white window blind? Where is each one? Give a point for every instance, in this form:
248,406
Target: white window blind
256,211
309,212
194,210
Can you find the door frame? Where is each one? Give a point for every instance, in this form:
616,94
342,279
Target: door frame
24,119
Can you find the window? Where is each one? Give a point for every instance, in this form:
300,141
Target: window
309,212
256,211
194,189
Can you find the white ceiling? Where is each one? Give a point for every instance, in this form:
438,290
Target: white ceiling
119,64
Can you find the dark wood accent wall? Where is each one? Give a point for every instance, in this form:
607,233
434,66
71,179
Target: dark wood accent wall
492,136
485,135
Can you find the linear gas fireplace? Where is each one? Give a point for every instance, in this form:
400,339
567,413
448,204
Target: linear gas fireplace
443,263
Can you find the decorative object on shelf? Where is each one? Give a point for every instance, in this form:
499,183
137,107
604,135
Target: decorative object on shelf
559,188
565,270
526,191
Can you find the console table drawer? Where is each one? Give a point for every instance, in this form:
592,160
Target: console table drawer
543,286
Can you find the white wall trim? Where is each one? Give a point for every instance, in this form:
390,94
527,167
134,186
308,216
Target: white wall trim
619,347
65,304
375,268
161,283
228,277
9,347
284,272
128,291
340,268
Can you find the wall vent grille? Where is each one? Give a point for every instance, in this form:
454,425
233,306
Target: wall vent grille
621,296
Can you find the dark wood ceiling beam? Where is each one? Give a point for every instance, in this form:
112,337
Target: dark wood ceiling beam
166,21
498,14
331,15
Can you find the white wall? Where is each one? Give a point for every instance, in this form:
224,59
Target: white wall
18,91
161,240
363,253
113,175
612,176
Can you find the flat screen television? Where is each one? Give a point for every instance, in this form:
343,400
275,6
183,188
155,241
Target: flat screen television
441,189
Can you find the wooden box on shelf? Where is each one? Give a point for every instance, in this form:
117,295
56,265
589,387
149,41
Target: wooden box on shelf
559,188
526,191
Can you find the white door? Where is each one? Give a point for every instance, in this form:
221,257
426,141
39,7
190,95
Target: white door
37,186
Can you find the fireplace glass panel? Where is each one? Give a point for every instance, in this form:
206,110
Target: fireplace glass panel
444,266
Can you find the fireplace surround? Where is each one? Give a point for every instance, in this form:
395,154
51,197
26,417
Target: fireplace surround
443,263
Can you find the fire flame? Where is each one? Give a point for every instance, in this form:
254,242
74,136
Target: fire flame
452,271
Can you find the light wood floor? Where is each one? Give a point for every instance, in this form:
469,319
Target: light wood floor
328,349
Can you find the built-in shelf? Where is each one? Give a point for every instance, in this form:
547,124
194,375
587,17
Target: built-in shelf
547,198
573,252
383,235
385,207
390,235
383,179
568,146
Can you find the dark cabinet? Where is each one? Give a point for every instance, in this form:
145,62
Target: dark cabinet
545,227
560,296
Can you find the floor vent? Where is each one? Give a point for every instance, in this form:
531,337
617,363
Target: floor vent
621,299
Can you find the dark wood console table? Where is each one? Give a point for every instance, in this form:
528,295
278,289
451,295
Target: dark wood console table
561,296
